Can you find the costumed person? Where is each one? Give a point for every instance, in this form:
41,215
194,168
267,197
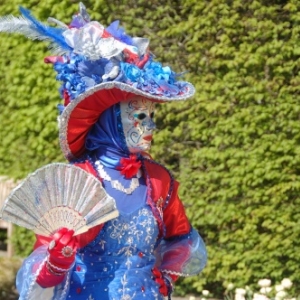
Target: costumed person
110,84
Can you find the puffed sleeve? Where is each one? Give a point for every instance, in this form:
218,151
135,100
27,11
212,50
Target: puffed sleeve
182,251
26,279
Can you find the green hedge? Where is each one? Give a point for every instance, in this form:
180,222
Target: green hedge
237,144
8,270
234,147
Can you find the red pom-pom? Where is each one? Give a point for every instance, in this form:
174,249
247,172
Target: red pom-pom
129,166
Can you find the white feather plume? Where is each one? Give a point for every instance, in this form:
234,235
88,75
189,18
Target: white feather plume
11,24
24,26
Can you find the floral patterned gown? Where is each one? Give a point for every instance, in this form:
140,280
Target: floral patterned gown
117,264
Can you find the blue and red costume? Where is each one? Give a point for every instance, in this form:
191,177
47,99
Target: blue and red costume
135,256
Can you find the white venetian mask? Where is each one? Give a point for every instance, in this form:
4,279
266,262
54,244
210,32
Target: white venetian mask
138,125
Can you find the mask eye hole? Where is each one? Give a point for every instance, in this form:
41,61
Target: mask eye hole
152,115
141,116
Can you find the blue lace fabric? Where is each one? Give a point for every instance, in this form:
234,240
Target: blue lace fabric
117,264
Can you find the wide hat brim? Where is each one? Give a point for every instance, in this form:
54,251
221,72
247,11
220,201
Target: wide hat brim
83,112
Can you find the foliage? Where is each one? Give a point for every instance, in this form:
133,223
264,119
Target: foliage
234,147
237,155
8,270
22,241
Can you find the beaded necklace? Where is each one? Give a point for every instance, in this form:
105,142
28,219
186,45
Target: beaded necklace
117,184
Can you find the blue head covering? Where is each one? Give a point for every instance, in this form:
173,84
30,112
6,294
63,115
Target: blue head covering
106,142
106,139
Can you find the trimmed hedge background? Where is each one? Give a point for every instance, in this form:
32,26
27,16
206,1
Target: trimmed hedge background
235,147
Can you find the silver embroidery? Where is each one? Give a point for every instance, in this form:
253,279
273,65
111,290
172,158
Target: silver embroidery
144,219
123,290
102,243
133,232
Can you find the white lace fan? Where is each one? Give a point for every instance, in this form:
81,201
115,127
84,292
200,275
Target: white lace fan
59,195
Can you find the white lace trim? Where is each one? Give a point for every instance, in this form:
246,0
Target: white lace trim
67,283
175,273
35,275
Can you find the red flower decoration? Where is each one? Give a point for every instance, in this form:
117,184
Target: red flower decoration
129,166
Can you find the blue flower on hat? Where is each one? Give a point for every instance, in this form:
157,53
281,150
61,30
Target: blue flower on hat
131,72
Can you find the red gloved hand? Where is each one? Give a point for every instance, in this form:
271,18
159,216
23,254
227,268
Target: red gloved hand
164,281
62,251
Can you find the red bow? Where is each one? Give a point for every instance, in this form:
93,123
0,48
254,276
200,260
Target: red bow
129,166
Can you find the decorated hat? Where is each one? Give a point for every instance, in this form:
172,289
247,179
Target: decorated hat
98,67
